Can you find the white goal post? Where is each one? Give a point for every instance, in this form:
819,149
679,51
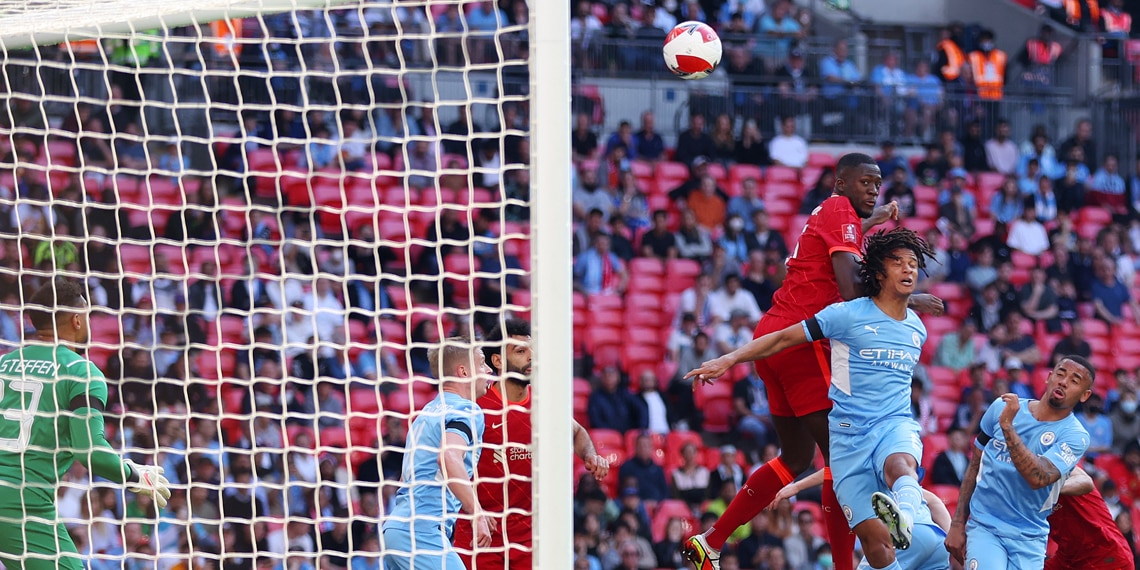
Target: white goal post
145,147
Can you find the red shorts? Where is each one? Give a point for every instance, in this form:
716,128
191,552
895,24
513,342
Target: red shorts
797,379
1107,560
494,557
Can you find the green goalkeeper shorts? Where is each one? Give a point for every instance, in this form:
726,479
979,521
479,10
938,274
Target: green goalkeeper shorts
37,546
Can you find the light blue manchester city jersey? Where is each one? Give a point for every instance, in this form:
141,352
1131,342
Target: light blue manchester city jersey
872,361
423,496
1003,501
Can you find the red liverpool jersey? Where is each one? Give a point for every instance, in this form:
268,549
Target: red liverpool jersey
1086,536
504,470
810,285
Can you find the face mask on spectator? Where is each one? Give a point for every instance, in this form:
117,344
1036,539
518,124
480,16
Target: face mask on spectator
1128,406
987,46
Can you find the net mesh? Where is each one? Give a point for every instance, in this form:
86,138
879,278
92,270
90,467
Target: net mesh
275,216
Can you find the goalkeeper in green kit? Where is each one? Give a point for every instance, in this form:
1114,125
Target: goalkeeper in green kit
51,414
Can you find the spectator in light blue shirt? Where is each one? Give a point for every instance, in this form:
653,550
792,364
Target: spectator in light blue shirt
1045,155
889,78
1027,182
486,18
838,71
927,88
957,178
599,270
1007,205
1107,178
1097,424
749,10
777,29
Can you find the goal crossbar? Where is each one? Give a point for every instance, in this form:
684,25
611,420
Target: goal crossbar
39,22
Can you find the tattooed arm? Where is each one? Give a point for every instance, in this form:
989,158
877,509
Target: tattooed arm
956,534
1037,471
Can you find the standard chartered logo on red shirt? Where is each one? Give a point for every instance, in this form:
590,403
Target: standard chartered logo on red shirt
513,453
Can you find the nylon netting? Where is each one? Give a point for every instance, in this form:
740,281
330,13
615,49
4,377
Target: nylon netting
276,217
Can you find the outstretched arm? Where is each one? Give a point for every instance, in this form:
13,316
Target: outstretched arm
757,349
795,487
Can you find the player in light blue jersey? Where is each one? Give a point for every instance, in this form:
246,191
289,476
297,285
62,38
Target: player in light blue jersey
875,445
441,451
1026,450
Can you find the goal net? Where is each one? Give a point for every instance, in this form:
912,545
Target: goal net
278,207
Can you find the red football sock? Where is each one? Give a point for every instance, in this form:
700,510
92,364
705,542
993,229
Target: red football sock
838,531
756,493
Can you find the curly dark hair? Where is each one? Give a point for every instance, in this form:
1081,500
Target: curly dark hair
880,246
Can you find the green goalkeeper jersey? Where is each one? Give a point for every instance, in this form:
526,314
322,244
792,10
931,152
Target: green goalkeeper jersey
37,386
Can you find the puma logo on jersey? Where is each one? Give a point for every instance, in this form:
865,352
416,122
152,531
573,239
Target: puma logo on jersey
872,329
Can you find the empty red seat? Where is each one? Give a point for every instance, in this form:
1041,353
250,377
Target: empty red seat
639,266
668,169
718,413
821,159
335,437
782,174
740,172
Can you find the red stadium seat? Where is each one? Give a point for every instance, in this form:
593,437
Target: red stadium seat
703,393
948,494
668,169
740,172
611,445
820,160
782,174
940,375
672,509
604,302
717,171
335,437
718,414
676,440
932,445
657,440
941,325
646,266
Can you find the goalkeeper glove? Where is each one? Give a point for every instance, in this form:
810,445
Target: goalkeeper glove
150,482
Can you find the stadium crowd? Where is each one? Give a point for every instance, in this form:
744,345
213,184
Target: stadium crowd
266,327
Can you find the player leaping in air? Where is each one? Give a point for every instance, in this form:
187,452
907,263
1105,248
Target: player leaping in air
52,402
875,444
504,469
1025,451
823,269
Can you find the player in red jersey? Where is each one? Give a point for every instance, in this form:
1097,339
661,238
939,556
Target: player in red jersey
1083,530
822,270
503,475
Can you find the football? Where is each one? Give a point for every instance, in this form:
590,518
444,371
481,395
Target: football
692,50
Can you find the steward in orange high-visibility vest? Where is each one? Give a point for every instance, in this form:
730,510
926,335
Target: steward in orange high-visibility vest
1082,14
989,67
227,33
1117,22
949,57
1042,51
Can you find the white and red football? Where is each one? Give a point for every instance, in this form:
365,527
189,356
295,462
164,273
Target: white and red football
692,50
